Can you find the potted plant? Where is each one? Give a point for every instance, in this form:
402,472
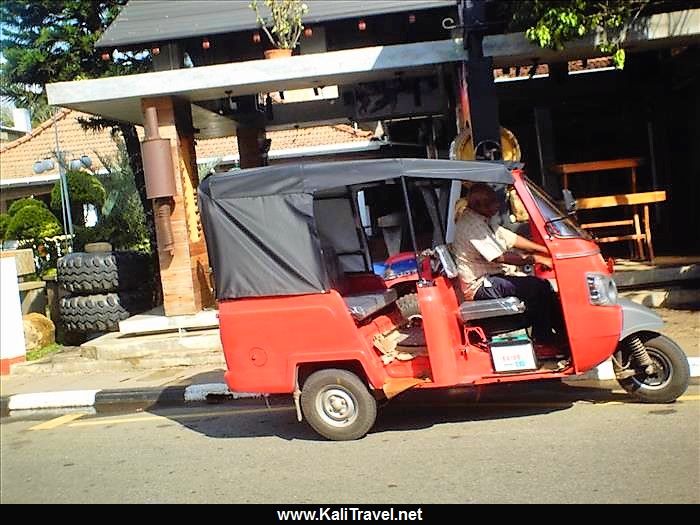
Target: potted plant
282,26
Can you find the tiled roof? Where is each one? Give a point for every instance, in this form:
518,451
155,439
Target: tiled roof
287,139
18,157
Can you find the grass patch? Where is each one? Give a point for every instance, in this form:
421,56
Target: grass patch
44,351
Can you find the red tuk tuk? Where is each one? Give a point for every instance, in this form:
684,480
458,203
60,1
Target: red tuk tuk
302,313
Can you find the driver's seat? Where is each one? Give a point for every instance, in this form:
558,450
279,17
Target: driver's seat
488,308
495,316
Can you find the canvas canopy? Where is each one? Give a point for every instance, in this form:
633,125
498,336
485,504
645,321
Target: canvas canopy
260,227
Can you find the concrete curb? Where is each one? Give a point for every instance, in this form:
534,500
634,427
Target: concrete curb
178,395
166,396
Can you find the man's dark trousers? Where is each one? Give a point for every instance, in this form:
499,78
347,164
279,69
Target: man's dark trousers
537,294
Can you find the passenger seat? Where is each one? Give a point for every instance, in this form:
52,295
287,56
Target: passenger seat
362,305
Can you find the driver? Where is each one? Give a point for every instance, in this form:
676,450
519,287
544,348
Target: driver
481,251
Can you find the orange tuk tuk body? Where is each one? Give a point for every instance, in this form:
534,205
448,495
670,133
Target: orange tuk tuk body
301,312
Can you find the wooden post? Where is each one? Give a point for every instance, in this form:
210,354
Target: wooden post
250,146
185,275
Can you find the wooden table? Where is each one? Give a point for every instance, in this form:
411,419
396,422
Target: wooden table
633,199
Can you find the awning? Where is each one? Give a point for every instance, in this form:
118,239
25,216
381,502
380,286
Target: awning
140,22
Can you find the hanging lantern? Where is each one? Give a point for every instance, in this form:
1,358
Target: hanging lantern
106,56
256,37
205,43
308,32
411,19
155,50
361,25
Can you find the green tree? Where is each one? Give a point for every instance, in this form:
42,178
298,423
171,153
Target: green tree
83,188
47,41
553,23
21,203
33,222
122,219
4,223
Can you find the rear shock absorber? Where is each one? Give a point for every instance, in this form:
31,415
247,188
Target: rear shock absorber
639,353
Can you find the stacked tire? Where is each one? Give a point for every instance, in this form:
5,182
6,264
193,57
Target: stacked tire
104,288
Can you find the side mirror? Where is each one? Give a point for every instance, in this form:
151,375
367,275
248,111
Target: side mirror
569,201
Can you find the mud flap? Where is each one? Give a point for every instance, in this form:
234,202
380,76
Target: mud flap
394,386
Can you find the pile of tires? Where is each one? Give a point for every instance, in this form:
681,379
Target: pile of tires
104,288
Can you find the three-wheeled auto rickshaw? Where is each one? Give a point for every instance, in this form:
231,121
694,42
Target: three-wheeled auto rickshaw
301,312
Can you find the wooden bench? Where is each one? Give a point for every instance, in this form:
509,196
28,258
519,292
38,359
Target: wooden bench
626,199
635,199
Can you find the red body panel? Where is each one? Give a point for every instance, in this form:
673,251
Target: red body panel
266,339
593,330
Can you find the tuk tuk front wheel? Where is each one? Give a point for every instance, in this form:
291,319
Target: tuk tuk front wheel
338,405
671,377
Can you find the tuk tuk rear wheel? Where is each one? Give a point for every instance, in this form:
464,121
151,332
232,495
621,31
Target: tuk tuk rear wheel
671,379
338,405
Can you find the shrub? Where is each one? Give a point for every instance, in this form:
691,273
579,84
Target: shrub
27,201
33,222
83,188
4,223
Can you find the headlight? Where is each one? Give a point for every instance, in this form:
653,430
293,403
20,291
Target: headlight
602,290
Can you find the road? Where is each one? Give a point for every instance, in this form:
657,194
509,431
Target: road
553,444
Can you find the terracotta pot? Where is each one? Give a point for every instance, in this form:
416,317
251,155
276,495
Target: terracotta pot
278,53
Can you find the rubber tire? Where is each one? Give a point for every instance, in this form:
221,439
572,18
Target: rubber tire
408,305
101,312
98,272
353,386
679,379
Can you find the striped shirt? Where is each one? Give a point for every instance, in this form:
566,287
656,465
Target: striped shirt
476,245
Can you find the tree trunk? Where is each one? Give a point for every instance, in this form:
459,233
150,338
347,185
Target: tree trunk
133,150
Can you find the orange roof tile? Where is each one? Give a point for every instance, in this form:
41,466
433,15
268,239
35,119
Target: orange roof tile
18,157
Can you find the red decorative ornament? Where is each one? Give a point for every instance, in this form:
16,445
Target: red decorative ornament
106,56
256,37
205,43
308,32
361,25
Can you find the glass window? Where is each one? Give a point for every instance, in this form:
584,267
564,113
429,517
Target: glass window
558,223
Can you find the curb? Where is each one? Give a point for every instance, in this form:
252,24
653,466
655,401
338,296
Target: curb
178,395
166,396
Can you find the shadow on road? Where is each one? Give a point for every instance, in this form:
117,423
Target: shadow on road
276,416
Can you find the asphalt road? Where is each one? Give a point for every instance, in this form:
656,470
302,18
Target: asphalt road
556,444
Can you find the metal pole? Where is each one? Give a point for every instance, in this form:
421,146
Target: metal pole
65,198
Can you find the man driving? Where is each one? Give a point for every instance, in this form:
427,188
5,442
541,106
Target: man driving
481,250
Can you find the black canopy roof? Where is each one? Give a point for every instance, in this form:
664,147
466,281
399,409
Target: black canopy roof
259,223
313,177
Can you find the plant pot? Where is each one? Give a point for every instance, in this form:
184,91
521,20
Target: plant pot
278,53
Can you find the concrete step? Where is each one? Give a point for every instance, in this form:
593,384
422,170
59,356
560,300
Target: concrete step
115,352
118,346
671,297
652,277
78,364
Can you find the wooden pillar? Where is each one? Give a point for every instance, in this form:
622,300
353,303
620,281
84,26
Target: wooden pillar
184,273
251,146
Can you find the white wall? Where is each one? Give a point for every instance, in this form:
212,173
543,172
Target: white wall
11,327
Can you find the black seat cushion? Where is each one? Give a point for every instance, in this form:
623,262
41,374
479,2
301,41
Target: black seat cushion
363,305
470,310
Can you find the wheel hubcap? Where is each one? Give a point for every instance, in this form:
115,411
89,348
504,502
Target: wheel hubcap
664,371
336,406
